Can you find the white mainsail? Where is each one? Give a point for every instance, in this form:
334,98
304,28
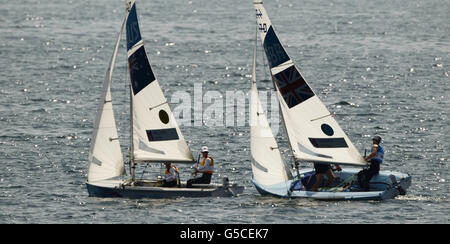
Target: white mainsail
105,155
156,135
267,165
314,135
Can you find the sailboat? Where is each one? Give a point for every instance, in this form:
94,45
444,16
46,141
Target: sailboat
313,134
155,135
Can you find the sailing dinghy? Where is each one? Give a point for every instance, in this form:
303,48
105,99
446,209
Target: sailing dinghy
313,134
155,135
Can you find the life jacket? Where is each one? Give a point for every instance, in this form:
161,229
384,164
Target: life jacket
207,168
379,155
171,174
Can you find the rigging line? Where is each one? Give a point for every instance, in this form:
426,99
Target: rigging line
144,171
158,105
266,67
254,63
322,117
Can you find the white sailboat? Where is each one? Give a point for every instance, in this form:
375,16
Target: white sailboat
155,135
313,133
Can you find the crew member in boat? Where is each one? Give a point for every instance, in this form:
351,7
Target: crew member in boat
375,158
206,168
321,170
170,175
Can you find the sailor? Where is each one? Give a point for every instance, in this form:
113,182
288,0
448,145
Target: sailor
375,158
321,170
206,168
170,175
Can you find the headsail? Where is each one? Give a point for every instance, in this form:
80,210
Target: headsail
105,155
156,135
313,133
267,165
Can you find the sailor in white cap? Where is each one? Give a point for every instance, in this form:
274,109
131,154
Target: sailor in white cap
206,168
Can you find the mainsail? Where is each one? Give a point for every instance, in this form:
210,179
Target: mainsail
156,136
267,165
314,135
105,155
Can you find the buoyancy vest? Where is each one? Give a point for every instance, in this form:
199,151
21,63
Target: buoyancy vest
379,155
171,174
207,165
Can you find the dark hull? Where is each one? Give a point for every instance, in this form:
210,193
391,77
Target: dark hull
95,190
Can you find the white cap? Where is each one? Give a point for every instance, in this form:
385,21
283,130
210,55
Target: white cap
204,149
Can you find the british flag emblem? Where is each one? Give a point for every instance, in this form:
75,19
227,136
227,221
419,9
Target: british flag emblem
292,86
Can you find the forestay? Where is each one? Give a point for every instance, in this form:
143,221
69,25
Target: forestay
105,155
267,165
156,135
313,133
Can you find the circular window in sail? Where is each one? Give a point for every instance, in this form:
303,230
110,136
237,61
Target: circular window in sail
327,129
163,116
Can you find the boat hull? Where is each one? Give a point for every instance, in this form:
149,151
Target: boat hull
118,189
381,188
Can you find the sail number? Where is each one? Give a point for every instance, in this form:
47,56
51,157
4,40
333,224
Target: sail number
259,14
262,27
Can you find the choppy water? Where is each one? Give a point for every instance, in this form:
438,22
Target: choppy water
382,66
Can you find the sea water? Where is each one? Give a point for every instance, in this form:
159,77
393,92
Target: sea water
381,66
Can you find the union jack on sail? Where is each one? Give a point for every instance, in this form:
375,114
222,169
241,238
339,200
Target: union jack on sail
292,86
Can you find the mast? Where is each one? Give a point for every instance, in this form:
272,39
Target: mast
133,164
131,149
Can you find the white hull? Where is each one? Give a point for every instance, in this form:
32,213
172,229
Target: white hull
381,187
